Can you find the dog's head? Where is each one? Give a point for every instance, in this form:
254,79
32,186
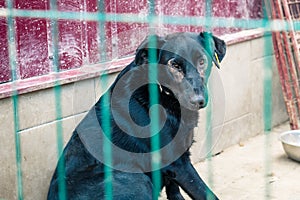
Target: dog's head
187,59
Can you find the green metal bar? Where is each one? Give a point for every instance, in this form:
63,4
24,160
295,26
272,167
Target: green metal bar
106,124
208,15
154,115
62,192
267,80
167,19
267,120
208,129
154,112
15,98
107,149
60,144
267,103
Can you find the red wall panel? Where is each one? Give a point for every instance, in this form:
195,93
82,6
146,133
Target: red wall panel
176,8
79,40
32,40
91,29
249,9
70,34
123,38
4,60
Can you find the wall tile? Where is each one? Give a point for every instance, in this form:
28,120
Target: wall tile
261,47
101,87
257,89
279,113
7,153
236,76
83,96
36,108
39,156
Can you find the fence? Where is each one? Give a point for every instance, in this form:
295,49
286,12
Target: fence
98,24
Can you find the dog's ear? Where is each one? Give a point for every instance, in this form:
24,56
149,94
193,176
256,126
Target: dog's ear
214,46
153,42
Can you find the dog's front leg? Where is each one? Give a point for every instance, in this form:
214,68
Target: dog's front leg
188,179
173,192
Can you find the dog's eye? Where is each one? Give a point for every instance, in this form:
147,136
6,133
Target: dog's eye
172,62
202,62
202,65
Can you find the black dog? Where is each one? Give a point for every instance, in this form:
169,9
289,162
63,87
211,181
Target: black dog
121,118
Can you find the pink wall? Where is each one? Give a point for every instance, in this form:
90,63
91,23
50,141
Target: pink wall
4,69
31,40
78,40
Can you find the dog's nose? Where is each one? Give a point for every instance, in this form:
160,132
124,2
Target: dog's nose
198,101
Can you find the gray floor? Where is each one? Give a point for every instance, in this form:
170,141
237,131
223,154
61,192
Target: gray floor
239,171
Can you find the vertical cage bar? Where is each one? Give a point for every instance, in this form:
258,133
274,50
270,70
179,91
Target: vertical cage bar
154,100
106,125
267,102
208,15
62,193
15,99
208,125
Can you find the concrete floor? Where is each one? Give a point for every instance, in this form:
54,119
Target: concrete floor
239,171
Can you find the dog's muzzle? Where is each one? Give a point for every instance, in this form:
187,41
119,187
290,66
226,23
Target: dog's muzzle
198,101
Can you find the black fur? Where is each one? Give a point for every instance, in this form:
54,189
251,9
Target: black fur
178,56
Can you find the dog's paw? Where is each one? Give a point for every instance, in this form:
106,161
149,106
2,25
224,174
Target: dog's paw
177,196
